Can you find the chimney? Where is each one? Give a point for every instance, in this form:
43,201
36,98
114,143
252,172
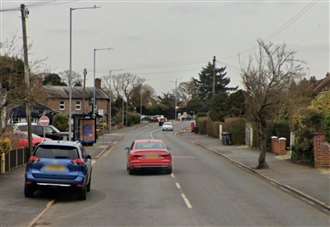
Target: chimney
98,83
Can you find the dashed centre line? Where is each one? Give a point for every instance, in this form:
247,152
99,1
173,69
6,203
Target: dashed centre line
186,200
178,185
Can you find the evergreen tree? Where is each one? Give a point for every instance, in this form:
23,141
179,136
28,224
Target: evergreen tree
205,82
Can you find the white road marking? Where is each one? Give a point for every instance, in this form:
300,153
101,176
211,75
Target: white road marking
152,133
172,175
177,185
36,219
186,200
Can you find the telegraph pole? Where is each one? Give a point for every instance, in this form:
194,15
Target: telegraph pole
24,14
110,103
213,83
122,111
176,94
140,103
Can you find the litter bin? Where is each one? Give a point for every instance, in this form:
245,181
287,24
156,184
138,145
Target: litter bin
226,138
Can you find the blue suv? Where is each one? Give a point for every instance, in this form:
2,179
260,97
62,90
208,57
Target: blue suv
62,164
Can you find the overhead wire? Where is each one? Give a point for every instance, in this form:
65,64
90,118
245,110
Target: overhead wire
38,4
292,20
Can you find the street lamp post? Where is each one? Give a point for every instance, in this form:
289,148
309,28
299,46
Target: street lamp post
94,71
70,66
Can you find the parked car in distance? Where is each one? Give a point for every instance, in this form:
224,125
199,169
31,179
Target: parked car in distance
22,139
51,131
167,126
62,164
147,154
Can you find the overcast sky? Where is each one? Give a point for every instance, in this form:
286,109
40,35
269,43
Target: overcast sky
167,40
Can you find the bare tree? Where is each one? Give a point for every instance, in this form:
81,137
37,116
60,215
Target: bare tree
123,84
75,78
266,80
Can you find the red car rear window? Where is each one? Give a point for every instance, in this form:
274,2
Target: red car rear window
147,146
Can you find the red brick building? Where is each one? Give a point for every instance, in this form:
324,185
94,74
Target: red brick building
324,84
82,99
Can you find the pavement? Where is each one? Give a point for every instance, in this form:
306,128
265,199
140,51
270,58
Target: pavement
306,179
204,190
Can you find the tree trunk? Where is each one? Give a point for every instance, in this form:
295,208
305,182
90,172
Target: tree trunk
262,164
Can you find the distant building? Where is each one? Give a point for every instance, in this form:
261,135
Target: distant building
324,84
82,100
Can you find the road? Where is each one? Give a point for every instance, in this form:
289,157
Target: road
204,190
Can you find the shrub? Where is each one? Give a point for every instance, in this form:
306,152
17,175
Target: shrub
327,126
236,126
61,122
306,124
5,145
202,125
201,114
213,128
133,118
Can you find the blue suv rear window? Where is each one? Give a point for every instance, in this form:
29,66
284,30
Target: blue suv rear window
57,152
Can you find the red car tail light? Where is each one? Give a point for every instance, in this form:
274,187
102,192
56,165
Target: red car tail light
34,159
166,156
78,162
136,156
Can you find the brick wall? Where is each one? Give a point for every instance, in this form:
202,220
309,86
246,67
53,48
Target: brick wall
321,151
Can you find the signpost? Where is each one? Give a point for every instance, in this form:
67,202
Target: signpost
44,122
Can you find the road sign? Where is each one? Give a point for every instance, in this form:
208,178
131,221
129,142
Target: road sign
44,121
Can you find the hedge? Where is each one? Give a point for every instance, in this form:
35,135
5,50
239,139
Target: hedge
236,126
213,128
202,125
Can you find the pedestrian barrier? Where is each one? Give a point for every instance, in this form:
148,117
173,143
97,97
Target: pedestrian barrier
12,159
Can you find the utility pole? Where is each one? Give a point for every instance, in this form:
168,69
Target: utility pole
140,103
122,112
176,94
126,114
24,14
94,85
84,90
110,102
213,83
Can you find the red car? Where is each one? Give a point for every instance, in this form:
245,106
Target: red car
22,138
144,154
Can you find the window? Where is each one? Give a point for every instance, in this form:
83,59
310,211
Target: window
149,146
62,105
78,105
59,152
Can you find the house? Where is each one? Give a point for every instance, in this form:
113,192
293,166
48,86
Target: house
82,100
324,84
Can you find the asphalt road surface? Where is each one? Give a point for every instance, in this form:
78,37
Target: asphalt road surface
204,190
